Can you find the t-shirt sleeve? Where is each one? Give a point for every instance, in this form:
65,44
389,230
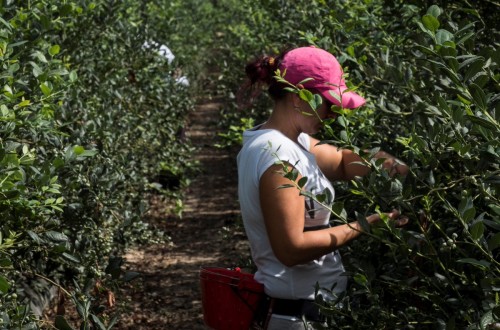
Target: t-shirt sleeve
305,141
279,150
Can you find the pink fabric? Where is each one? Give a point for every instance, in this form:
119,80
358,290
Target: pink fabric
326,72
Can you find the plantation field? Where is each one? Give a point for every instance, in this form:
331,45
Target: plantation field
119,126
167,295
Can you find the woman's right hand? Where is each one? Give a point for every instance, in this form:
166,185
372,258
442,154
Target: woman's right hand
394,215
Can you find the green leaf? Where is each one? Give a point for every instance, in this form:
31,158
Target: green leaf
342,121
471,59
291,175
61,323
97,321
495,208
4,285
13,68
54,50
82,307
443,36
336,96
423,49
430,22
494,242
35,237
477,230
306,95
465,38
356,192
58,72
4,262
361,279
338,210
469,214
302,182
7,24
73,76
478,95
430,179
71,257
8,91
88,153
482,264
129,276
46,89
37,71
328,196
56,236
78,150
452,75
482,122
466,204
58,163
316,102
434,10
40,56
23,104
487,319
304,81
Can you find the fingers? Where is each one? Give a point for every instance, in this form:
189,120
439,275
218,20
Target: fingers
372,219
399,220
398,167
394,214
402,221
402,168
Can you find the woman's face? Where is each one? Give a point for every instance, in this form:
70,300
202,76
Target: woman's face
315,121
326,110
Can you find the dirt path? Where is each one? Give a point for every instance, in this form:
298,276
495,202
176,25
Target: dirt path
167,295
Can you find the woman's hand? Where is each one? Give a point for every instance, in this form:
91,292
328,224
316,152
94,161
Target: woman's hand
344,164
394,215
392,164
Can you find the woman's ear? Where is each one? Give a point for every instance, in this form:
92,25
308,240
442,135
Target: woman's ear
296,101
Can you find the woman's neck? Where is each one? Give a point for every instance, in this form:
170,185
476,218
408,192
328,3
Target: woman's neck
282,120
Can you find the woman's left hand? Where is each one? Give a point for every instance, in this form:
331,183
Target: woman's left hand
392,164
398,167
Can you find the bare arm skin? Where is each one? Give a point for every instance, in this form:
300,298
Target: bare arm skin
283,211
342,164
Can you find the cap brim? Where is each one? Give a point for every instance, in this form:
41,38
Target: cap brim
350,100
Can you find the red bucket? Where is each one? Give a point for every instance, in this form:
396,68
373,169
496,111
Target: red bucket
230,298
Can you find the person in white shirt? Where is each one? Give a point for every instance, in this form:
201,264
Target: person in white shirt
292,244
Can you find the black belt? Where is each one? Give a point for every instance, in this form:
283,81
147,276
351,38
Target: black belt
313,228
298,308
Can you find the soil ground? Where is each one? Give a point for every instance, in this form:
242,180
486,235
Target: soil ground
167,294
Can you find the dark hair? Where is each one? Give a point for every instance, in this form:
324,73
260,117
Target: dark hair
262,71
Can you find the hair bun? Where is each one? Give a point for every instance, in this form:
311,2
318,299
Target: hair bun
270,61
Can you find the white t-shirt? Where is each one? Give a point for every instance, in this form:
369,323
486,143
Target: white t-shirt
262,149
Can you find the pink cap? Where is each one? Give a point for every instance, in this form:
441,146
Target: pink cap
323,67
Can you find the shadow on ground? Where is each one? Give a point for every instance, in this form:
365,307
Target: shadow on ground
167,294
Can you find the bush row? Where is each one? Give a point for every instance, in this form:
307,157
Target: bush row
91,123
430,75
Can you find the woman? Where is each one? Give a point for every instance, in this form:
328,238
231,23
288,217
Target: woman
292,244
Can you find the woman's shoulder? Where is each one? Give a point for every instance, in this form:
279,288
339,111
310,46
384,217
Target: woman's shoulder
273,141
265,136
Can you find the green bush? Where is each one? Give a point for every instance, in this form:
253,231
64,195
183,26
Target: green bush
430,75
439,98
91,122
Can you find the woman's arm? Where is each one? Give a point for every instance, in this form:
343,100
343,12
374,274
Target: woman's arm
284,210
343,164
